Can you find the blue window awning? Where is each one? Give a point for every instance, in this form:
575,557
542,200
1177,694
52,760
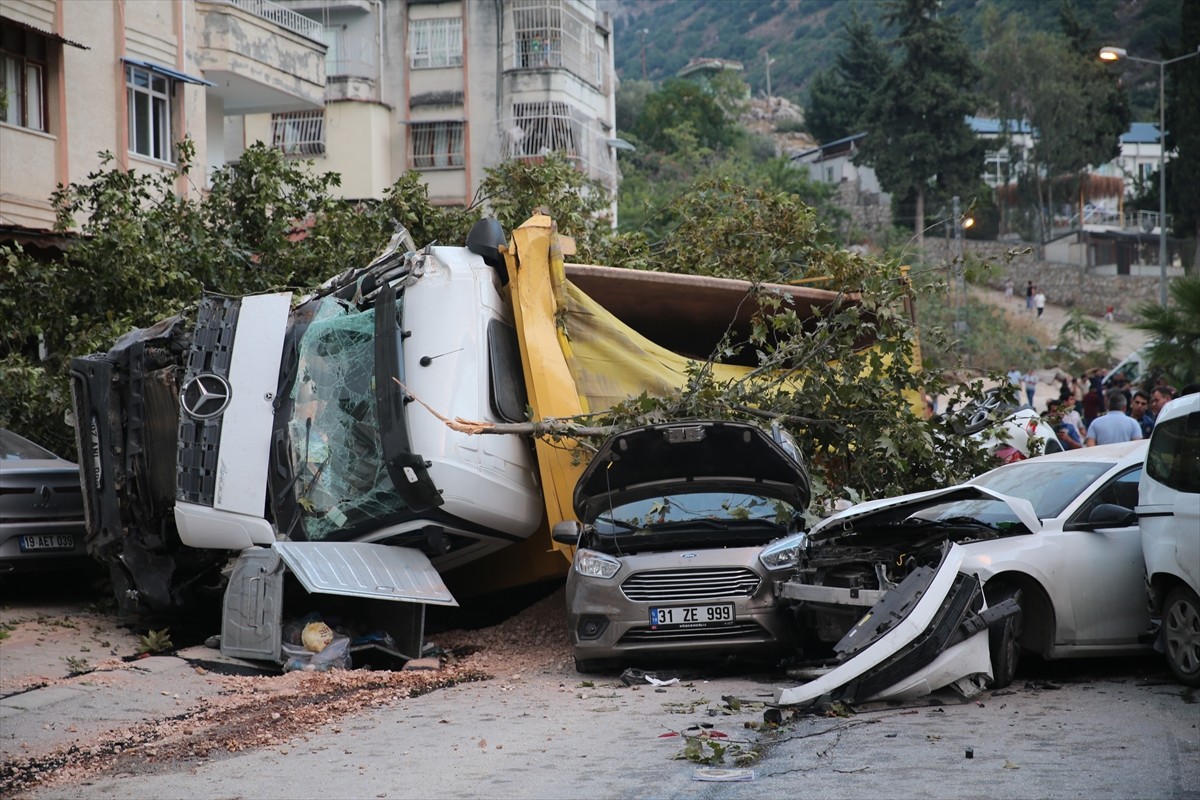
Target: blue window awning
173,74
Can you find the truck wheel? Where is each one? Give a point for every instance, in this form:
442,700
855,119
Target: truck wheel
1004,640
1181,634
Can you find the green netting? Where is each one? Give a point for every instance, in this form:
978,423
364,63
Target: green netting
336,451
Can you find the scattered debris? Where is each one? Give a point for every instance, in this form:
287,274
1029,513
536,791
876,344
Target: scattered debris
735,775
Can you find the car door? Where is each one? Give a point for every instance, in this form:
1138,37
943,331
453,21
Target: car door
1106,571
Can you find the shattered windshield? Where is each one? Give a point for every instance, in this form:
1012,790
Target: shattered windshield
700,510
337,457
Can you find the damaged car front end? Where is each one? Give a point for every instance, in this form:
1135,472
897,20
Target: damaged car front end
1049,544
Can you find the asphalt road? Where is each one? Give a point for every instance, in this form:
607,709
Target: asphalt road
1104,728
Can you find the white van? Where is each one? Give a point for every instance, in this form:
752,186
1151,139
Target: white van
1133,367
1169,517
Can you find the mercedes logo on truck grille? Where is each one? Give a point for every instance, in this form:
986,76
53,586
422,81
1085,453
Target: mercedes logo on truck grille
205,396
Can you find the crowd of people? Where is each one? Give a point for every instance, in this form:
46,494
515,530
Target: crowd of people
1088,412
1035,298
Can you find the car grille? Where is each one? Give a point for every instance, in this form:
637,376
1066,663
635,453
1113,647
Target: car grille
735,631
691,584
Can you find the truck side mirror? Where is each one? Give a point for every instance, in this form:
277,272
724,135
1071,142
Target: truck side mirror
566,532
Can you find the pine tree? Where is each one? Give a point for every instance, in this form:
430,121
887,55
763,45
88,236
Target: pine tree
918,139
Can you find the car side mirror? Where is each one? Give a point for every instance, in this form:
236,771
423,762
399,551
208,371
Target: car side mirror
566,532
1110,515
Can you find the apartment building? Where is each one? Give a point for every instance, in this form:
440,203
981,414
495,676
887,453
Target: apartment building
134,77
451,87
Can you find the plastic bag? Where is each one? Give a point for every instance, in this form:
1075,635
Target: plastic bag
335,656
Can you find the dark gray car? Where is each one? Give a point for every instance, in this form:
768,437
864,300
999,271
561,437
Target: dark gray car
41,508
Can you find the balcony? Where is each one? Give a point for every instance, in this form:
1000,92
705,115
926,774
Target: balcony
262,57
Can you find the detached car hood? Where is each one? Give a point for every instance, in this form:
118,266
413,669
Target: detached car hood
875,512
696,455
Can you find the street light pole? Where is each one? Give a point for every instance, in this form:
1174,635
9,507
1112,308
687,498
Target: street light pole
1116,54
643,33
767,56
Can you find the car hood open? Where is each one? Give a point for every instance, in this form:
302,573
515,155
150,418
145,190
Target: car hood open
707,455
865,515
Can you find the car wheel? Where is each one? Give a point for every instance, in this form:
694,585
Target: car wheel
1181,634
1004,640
977,416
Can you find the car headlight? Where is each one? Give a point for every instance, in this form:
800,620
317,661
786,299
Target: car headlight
784,552
595,565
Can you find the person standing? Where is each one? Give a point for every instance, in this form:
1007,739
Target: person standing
1029,296
1159,397
1115,426
1030,380
1008,290
1067,435
1139,410
1039,302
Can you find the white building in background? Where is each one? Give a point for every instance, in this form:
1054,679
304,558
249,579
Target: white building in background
133,78
451,87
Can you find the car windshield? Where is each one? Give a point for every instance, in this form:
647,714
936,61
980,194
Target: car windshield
1049,486
703,510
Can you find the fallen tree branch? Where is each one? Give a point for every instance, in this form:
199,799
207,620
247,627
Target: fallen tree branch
547,427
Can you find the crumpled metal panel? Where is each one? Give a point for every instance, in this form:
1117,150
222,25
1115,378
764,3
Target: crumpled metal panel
361,569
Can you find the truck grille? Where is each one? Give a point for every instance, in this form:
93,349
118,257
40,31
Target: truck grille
200,439
667,586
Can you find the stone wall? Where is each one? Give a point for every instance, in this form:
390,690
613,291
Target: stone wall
1067,285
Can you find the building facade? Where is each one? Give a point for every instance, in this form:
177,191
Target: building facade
132,78
451,87
366,88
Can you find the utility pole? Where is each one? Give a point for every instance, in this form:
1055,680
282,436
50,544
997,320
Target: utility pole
767,55
643,33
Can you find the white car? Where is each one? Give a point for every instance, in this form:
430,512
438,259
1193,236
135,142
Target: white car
1056,535
1169,516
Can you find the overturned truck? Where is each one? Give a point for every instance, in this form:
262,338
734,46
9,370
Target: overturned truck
316,428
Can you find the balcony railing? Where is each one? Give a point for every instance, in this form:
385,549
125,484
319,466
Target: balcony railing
283,17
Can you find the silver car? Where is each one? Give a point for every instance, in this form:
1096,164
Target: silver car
41,508
671,559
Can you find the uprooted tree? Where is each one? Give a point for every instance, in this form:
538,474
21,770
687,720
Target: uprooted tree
268,223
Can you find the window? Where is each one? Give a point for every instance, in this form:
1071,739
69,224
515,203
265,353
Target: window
541,128
435,43
1174,456
299,133
23,59
149,100
437,144
550,33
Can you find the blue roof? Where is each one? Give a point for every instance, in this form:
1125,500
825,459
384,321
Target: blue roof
1141,133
